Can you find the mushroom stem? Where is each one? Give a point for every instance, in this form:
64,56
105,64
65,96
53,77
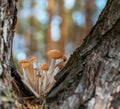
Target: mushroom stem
33,62
35,80
36,94
40,80
24,74
44,82
52,66
57,69
51,84
31,74
59,61
34,65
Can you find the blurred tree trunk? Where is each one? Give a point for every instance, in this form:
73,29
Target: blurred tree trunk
89,6
49,37
62,26
30,33
91,77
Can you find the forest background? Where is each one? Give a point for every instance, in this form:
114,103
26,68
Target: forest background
53,24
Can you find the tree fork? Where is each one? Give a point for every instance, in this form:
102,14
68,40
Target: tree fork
91,77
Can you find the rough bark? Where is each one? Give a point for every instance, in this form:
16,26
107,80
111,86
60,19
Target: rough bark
7,25
91,77
8,17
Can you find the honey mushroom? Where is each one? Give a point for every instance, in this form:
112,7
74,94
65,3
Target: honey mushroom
64,58
33,65
35,84
34,60
24,64
41,79
39,82
54,55
45,68
52,81
58,67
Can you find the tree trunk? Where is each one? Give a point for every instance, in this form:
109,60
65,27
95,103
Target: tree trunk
30,39
8,13
89,7
49,43
91,77
8,17
63,29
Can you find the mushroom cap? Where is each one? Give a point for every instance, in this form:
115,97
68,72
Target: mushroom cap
25,65
36,69
44,67
39,75
55,54
23,61
33,59
64,58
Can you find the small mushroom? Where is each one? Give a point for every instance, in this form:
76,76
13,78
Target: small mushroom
39,76
25,64
22,61
35,82
34,60
44,68
58,67
64,58
33,64
25,69
26,75
36,69
53,54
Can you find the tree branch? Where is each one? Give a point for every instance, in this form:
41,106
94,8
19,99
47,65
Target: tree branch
82,76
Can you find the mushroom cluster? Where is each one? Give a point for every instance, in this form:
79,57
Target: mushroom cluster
40,78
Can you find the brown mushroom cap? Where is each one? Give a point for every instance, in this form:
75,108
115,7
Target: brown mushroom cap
36,69
23,61
44,67
64,58
55,54
25,65
39,75
33,59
